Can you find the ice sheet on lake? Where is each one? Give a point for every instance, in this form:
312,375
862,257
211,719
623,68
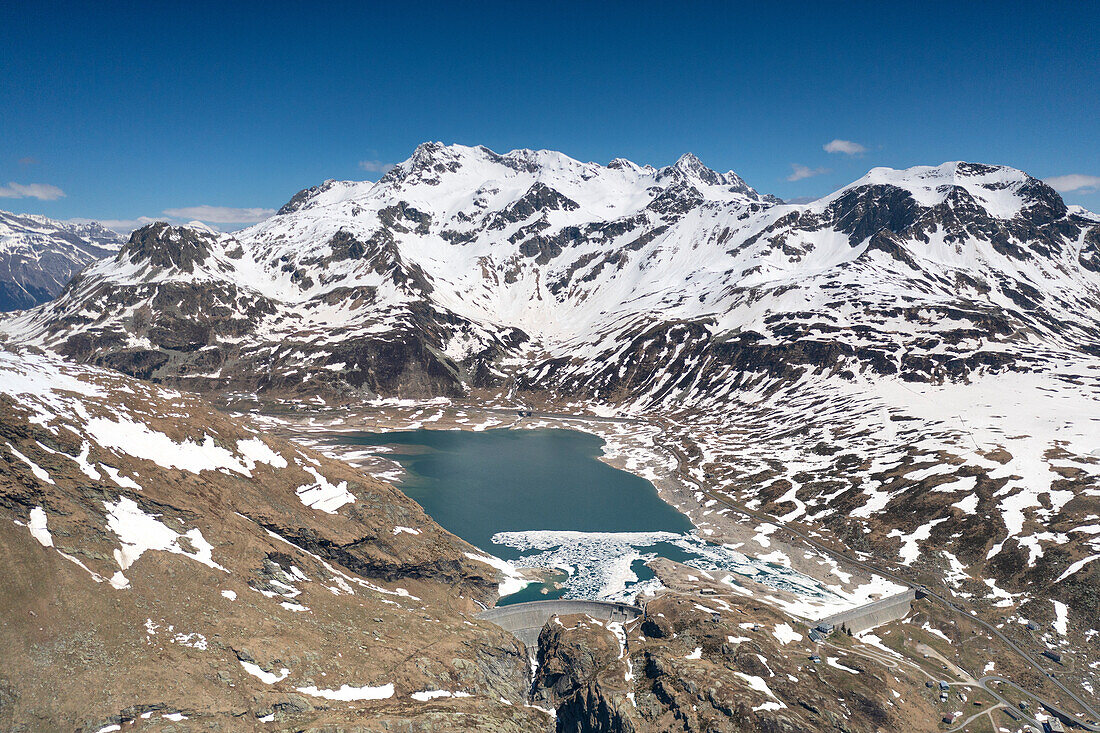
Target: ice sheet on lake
600,564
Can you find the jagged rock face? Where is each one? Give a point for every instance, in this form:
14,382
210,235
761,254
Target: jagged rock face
582,674
716,664
39,255
222,575
160,246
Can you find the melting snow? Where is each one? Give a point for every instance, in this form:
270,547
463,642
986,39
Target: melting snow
124,481
513,581
347,692
833,662
323,495
38,529
139,532
256,451
433,694
784,634
139,440
266,677
758,684
1061,617
38,472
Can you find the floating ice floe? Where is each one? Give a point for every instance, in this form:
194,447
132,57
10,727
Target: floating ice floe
602,565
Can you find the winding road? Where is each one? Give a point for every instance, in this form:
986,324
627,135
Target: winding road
867,567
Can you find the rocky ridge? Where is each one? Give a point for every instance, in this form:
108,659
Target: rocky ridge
221,576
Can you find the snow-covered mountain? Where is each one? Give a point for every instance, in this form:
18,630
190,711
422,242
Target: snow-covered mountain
423,282
811,359
39,255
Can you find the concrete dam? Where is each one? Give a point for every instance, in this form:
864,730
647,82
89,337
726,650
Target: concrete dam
873,614
525,620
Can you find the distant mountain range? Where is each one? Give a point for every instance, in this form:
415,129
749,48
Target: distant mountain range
39,255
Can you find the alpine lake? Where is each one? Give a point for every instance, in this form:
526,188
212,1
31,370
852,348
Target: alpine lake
543,499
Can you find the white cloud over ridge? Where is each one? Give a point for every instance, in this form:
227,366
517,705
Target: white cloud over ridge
221,214
1073,182
844,146
122,226
40,191
375,166
799,171
188,215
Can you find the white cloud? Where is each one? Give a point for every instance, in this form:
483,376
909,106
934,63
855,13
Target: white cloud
122,226
375,166
40,191
220,214
1074,182
185,215
799,171
843,146
125,226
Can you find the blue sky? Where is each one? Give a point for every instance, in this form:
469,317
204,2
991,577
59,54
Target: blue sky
135,110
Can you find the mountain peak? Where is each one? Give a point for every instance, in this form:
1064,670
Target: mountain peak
689,166
624,164
428,150
690,169
1004,192
164,245
690,162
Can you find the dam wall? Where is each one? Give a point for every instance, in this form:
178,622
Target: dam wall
525,620
873,614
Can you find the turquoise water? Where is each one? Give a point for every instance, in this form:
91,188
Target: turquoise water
477,484
542,498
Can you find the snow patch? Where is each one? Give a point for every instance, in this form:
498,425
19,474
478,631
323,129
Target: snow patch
348,692
269,678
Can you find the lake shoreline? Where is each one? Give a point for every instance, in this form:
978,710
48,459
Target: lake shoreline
631,444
